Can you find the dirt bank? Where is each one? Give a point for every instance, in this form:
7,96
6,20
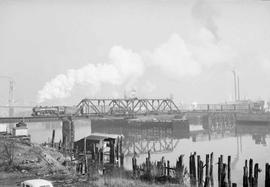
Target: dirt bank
21,159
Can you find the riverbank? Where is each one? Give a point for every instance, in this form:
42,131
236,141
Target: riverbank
99,182
21,160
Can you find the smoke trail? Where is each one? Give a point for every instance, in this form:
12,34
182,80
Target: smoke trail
176,58
203,12
123,67
179,58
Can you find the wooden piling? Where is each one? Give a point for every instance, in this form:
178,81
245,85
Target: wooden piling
117,149
148,164
267,177
84,146
250,171
194,166
121,152
207,166
134,166
219,170
201,172
163,165
101,156
121,144
220,167
180,169
224,182
206,182
211,169
168,168
198,167
190,166
112,158
60,145
53,136
245,175
229,171
122,160
256,174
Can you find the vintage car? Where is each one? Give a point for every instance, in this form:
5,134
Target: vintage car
36,183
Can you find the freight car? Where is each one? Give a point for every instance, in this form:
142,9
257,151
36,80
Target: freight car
245,107
53,110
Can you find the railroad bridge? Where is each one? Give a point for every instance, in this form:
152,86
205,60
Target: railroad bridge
214,116
127,107
100,108
96,109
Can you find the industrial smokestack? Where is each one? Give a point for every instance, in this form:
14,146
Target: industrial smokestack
11,98
11,95
235,86
238,88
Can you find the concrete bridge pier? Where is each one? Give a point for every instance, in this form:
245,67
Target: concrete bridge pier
68,134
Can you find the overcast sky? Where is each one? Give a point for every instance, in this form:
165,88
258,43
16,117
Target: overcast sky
62,51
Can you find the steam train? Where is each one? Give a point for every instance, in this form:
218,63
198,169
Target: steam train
53,110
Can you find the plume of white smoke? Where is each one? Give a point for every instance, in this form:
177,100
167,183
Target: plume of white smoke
175,58
179,58
204,13
124,65
208,52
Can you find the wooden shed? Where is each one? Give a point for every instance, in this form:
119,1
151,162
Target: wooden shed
101,148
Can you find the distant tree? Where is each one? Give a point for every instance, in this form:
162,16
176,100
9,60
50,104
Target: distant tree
7,152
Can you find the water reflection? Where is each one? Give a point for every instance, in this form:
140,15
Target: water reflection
42,132
241,141
162,137
140,137
170,139
259,132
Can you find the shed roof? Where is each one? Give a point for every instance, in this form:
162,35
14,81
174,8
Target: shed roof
102,136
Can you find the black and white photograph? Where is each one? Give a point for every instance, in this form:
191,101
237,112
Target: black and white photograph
134,93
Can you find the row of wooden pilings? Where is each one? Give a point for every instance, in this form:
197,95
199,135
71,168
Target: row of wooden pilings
160,171
200,173
250,176
198,176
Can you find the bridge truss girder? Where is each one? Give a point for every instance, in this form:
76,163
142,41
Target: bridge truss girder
128,107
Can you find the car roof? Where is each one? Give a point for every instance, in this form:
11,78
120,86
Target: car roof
37,182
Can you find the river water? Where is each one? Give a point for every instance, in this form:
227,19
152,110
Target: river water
171,140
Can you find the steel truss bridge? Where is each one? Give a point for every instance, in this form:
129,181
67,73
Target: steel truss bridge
126,107
106,108
130,108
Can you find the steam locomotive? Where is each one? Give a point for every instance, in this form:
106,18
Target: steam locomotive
53,110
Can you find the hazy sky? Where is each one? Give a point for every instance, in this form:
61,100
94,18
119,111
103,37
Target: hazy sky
62,51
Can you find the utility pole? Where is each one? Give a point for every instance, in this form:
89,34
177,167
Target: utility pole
10,95
235,89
